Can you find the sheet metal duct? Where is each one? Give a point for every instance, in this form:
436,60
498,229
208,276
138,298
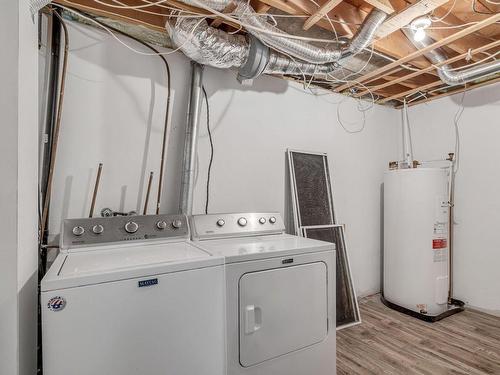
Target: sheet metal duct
446,73
191,140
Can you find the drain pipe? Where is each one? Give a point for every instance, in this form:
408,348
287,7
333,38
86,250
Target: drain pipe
191,141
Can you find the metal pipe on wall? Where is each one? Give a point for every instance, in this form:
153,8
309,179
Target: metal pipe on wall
191,140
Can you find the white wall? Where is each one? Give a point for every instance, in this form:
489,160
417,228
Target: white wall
18,190
477,202
114,113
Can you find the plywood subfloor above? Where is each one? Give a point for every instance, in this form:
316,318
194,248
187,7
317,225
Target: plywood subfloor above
388,342
467,30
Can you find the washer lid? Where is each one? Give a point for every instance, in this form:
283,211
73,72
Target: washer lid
252,248
113,263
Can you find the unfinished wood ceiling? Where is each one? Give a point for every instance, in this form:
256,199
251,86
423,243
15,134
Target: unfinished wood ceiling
468,31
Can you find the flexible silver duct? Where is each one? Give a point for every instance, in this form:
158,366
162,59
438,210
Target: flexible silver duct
209,46
306,51
445,72
365,34
294,47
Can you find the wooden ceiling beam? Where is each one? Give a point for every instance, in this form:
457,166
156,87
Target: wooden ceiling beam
460,34
456,91
405,16
429,69
153,21
260,7
395,45
219,20
322,11
291,8
383,5
411,91
473,40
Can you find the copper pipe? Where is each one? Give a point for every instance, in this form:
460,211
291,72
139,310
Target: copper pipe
169,99
96,189
147,194
57,128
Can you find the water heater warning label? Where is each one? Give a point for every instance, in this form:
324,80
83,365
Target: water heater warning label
439,243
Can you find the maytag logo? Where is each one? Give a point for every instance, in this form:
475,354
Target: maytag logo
149,282
56,303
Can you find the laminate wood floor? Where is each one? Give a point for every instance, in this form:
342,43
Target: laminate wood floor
388,342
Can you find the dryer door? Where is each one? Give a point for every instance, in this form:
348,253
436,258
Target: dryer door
282,310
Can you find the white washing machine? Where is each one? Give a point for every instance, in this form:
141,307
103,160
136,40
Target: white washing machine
133,296
280,295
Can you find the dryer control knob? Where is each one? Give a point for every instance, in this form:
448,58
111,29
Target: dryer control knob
131,227
177,223
162,224
242,221
272,220
97,229
221,222
262,220
78,231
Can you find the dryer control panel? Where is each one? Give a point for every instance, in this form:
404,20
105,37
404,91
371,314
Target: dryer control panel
99,231
236,225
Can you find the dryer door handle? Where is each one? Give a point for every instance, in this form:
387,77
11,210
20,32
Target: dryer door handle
253,319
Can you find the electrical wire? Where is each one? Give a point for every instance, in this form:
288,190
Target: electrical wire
307,82
211,148
57,129
475,10
456,122
108,30
226,17
447,13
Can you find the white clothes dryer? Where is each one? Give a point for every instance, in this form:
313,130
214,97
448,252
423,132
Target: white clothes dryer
280,294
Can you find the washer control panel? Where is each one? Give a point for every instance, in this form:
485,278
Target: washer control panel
236,225
102,230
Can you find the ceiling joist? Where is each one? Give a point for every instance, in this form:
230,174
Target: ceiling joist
429,69
404,17
320,13
460,34
383,5
390,80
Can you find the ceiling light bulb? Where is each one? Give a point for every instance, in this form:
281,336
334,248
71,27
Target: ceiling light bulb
419,35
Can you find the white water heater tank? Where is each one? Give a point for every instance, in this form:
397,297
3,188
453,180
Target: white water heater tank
416,208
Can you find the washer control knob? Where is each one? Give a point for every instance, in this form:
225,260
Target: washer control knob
262,220
78,231
272,220
162,224
221,222
177,223
97,229
242,221
131,227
